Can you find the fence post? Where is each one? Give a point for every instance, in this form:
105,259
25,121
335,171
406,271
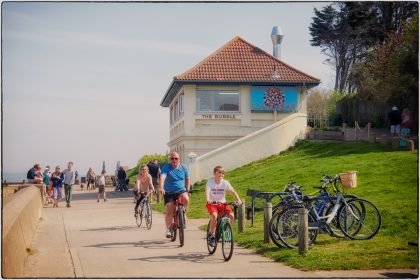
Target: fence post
368,130
410,145
157,196
268,208
241,217
303,230
355,130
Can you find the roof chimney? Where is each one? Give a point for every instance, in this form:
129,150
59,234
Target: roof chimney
276,38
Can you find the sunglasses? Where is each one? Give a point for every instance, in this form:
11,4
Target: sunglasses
174,158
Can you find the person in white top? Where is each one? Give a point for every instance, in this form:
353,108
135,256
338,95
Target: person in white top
101,187
215,193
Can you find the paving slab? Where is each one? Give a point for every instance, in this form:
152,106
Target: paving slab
102,240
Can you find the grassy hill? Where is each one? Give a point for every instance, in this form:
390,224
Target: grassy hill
388,178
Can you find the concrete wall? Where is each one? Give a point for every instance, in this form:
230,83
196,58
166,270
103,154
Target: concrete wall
258,145
20,220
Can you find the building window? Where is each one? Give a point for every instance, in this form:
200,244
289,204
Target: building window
176,108
217,101
181,104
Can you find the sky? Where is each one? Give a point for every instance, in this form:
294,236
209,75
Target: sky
83,81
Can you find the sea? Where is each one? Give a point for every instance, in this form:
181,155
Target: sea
13,177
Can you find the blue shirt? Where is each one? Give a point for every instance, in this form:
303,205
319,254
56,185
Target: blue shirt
175,178
57,182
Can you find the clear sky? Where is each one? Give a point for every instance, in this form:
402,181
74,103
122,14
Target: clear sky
83,81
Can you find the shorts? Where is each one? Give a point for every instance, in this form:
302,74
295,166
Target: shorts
395,129
101,189
211,208
57,193
169,197
91,181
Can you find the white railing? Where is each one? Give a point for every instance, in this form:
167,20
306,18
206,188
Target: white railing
263,143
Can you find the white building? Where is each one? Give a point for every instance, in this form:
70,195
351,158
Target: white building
235,91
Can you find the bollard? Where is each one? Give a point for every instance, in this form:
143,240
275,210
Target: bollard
268,208
303,231
157,196
372,138
410,145
241,217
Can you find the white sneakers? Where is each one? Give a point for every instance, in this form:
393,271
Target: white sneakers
168,233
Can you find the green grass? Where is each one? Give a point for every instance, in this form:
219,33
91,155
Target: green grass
386,177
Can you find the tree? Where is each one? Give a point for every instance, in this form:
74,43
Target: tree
348,31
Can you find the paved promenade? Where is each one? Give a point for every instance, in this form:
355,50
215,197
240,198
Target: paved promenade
101,240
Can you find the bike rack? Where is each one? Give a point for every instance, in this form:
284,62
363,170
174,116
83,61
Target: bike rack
268,196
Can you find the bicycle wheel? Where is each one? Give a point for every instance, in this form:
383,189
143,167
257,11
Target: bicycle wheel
148,216
273,230
139,216
368,220
181,224
227,240
210,248
334,227
287,228
173,229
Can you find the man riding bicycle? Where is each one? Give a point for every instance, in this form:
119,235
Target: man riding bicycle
174,180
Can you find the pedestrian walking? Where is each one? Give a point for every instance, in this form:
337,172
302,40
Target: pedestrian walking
101,187
154,171
395,121
57,182
69,179
90,177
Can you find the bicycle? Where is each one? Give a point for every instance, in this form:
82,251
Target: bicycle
179,219
324,202
350,216
223,231
144,211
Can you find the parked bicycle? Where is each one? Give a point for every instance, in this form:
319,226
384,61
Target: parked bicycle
356,218
144,211
223,231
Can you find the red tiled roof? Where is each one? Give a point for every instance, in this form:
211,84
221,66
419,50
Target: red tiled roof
240,61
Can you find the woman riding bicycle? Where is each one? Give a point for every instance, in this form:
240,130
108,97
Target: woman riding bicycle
215,194
174,180
143,185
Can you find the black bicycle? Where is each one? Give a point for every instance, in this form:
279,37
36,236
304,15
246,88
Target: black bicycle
144,211
223,231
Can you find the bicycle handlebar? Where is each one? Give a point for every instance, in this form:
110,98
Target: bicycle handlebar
234,203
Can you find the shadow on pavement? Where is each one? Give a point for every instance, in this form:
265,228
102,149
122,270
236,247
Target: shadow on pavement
92,195
147,244
191,257
394,275
116,228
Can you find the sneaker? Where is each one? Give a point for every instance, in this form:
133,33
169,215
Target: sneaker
168,233
212,240
97,200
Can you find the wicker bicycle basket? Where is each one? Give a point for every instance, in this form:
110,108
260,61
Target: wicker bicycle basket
349,179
